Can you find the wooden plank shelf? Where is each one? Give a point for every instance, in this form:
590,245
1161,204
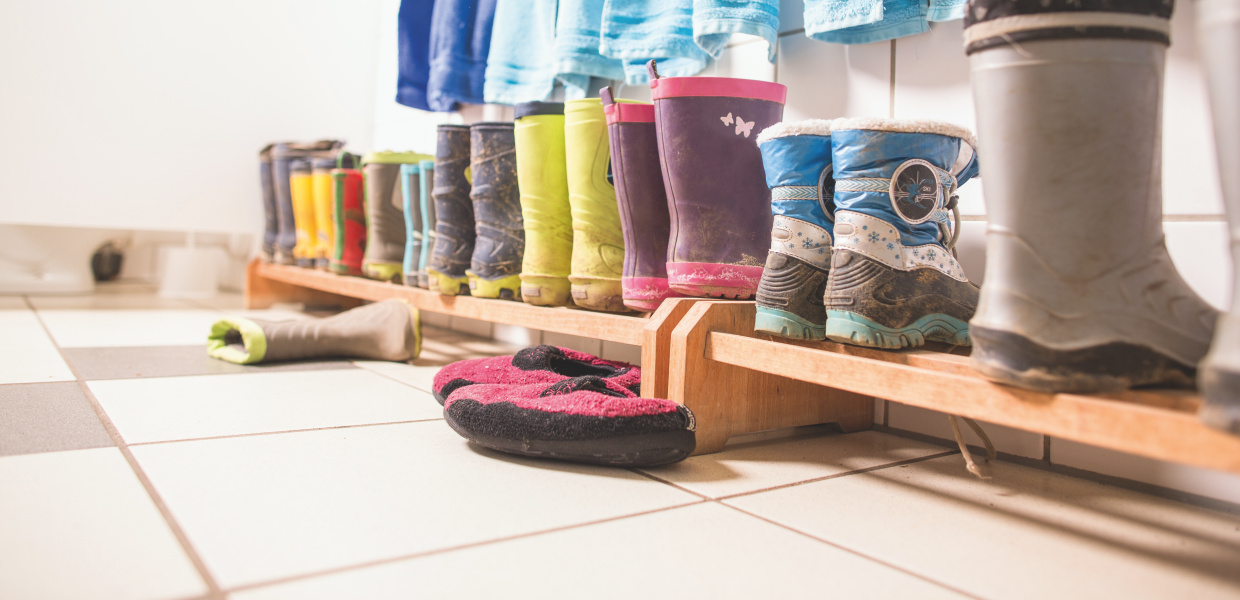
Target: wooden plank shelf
715,336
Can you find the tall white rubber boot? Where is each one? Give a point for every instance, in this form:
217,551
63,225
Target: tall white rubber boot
1219,34
1080,293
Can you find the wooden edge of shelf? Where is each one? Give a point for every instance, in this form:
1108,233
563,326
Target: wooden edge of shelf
625,329
1158,424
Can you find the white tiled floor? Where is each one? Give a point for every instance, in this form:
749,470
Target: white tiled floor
343,482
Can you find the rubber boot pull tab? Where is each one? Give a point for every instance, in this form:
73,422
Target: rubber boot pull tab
605,94
653,70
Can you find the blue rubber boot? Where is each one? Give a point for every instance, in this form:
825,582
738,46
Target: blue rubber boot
894,280
797,159
411,196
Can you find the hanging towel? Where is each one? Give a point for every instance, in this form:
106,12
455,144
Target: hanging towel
636,31
946,10
864,21
714,22
578,27
460,42
519,67
413,46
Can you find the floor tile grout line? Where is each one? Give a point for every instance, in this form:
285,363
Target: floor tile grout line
417,555
262,433
666,482
898,463
386,376
213,588
853,552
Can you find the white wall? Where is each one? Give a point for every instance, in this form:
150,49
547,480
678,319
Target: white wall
148,114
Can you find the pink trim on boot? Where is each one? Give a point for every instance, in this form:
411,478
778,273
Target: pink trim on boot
646,293
627,112
714,280
672,87
582,402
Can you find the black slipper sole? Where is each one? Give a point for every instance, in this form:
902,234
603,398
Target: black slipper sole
640,450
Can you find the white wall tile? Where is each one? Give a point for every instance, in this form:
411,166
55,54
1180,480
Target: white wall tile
1201,253
436,319
971,250
471,326
929,422
932,82
575,342
1190,169
826,81
746,61
521,337
622,352
1203,482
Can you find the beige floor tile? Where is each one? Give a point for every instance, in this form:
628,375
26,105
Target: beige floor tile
265,507
78,524
114,300
179,408
420,377
1024,534
758,462
13,303
27,354
133,327
700,551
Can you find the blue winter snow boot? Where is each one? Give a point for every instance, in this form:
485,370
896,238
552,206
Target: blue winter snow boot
797,159
894,279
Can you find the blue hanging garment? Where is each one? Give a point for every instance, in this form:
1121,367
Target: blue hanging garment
460,43
413,45
576,55
636,31
866,21
714,22
519,67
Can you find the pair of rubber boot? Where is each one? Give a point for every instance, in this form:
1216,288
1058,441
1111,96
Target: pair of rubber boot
480,238
348,215
280,224
385,214
862,241
415,185
1081,294
310,185
575,248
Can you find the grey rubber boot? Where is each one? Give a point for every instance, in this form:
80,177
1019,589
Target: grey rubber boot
388,330
1219,35
1080,293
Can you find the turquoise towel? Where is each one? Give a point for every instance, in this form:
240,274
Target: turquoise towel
864,21
575,53
946,10
636,31
519,67
714,22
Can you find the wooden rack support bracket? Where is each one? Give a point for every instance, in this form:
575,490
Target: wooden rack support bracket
728,401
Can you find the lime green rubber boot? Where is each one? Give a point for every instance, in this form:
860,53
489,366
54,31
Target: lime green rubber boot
542,178
598,241
385,214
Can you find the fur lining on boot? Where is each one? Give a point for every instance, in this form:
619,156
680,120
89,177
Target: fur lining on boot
902,126
790,128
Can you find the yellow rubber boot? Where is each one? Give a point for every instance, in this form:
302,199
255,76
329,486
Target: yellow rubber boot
321,185
598,242
543,180
305,224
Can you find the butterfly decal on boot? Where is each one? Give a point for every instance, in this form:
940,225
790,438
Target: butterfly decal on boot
726,120
743,127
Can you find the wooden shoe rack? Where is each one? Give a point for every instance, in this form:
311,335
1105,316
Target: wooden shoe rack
705,354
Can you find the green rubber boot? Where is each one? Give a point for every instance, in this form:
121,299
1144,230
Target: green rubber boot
598,241
543,181
385,214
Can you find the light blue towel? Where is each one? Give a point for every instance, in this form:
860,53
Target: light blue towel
946,10
864,21
576,57
714,22
636,31
519,67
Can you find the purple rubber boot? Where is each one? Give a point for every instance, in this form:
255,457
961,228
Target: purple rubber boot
642,200
716,189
